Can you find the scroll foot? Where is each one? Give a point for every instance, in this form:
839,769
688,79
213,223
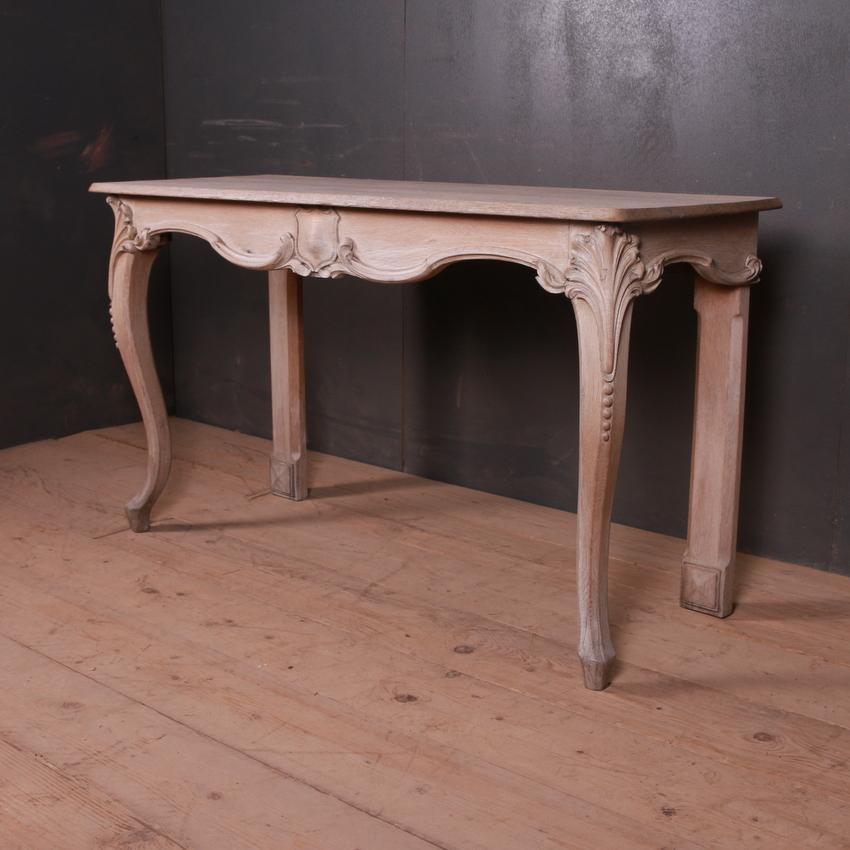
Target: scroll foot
139,518
597,674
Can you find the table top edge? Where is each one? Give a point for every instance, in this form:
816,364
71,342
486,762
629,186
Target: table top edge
704,206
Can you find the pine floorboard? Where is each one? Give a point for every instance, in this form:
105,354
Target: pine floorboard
389,664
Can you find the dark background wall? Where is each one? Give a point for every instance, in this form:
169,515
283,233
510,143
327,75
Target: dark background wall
470,377
81,94
308,88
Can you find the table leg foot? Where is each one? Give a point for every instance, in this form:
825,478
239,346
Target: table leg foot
288,479
139,518
707,589
597,674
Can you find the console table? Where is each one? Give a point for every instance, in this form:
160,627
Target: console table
600,248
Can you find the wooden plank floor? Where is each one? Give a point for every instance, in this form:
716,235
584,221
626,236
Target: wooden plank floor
389,664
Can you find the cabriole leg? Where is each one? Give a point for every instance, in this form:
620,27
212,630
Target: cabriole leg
603,407
129,278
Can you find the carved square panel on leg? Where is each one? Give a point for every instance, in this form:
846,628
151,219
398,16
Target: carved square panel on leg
289,479
706,589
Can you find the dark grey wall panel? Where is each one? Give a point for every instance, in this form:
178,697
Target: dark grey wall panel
82,101
299,88
668,95
680,95
474,410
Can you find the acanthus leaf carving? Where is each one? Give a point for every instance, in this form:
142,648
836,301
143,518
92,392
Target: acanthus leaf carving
128,238
607,272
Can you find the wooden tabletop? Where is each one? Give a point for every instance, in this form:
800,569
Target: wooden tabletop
462,198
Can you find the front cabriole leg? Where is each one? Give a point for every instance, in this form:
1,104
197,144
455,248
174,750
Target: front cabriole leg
133,253
605,276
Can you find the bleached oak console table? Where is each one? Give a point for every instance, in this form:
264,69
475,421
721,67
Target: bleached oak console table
601,249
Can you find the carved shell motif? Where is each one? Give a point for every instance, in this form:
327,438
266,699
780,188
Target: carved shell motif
607,272
317,248
127,237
